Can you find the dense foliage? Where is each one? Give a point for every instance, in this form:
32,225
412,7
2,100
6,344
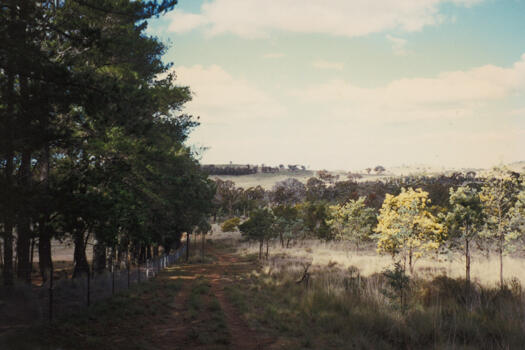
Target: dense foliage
92,138
407,217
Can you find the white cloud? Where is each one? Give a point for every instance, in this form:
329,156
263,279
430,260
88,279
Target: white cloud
182,22
254,18
398,45
321,64
274,55
449,95
220,97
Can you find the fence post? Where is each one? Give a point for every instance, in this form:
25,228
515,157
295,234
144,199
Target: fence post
88,287
51,296
112,279
138,270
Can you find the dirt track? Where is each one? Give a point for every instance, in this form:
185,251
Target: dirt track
178,332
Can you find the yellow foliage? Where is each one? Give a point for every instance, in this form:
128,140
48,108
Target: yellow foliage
406,227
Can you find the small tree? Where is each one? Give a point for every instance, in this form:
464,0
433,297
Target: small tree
230,225
326,176
406,228
314,215
464,221
379,169
352,221
499,195
289,191
259,227
315,189
288,223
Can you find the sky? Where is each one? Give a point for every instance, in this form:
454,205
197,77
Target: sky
346,85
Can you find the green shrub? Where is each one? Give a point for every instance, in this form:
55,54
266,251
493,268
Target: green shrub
230,225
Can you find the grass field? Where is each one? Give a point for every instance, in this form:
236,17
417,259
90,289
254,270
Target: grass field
231,300
484,269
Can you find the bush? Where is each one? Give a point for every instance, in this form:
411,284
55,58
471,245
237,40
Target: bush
230,225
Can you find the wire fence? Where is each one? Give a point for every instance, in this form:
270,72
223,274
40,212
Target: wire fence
24,304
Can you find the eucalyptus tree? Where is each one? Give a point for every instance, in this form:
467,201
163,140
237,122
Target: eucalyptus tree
288,223
288,192
352,221
464,221
499,195
259,227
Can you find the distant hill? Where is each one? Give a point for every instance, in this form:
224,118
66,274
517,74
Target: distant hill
268,180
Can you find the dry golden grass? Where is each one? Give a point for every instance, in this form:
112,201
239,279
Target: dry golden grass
483,270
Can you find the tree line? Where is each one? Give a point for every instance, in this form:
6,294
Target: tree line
236,170
92,136
432,215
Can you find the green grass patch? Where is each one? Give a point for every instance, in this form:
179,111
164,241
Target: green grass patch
209,325
117,322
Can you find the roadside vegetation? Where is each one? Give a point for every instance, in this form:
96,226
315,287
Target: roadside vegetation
123,321
340,308
92,138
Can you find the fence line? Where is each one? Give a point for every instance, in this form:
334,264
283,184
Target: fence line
24,304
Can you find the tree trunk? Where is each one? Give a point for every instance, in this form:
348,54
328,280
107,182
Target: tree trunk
500,251
123,248
267,244
142,253
32,254
1,256
79,256
203,242
410,262
187,247
8,252
9,165
45,262
24,225
99,257
23,217
467,262
261,242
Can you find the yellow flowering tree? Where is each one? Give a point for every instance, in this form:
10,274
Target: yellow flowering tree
406,228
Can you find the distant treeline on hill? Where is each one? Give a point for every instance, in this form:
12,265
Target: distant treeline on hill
236,169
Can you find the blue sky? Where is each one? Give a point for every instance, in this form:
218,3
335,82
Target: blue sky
350,84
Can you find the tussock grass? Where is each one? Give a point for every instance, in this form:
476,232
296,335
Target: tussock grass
484,269
345,308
